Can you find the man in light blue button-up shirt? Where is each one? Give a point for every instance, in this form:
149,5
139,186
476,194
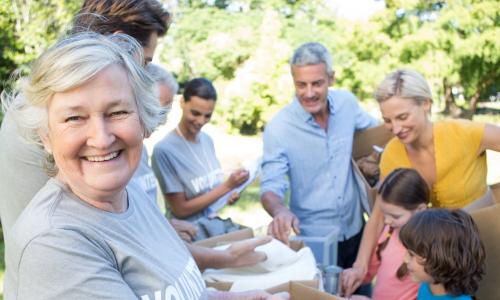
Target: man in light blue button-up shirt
310,142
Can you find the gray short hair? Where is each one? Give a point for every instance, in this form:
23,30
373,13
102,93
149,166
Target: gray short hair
312,54
160,74
71,62
404,83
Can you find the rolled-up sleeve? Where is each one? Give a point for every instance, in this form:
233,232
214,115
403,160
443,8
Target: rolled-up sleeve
275,164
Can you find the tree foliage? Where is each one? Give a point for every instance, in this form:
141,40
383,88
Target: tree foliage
27,28
244,47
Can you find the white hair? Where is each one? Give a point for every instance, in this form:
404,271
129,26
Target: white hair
71,62
312,54
161,75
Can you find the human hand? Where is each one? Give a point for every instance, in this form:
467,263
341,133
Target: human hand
235,196
184,229
281,225
242,253
351,279
237,178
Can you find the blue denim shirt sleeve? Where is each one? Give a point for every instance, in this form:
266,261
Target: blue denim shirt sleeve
274,164
363,119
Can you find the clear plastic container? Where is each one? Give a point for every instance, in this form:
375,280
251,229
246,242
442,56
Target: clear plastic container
322,239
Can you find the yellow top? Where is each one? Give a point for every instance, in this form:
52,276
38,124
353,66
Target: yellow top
461,173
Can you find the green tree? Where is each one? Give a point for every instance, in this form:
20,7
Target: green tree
27,28
245,52
452,42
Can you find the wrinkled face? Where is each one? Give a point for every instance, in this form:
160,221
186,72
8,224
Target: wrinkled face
415,264
395,216
166,97
196,113
149,49
311,87
405,118
95,135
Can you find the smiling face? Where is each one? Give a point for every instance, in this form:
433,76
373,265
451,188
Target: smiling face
95,136
406,118
311,87
195,114
415,264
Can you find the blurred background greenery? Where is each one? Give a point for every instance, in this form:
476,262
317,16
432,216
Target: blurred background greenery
244,47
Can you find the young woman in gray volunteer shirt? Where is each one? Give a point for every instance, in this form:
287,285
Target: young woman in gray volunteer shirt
185,163
86,234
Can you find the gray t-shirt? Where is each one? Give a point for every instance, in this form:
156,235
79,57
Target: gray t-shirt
21,175
63,248
183,166
144,176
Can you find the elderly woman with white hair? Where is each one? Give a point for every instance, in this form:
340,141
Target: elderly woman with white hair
88,234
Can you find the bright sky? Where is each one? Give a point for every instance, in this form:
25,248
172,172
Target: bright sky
356,9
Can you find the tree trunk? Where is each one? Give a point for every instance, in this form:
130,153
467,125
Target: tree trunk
450,108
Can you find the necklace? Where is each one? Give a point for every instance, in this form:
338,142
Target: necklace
207,166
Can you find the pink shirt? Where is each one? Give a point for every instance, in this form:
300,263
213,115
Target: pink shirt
387,285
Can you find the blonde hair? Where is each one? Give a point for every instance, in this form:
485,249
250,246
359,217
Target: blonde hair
70,63
404,83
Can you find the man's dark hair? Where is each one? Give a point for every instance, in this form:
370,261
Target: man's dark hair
137,18
200,87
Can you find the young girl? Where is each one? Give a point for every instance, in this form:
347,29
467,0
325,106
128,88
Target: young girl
445,254
402,194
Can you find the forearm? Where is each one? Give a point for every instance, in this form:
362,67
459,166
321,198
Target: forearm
207,257
272,203
491,138
372,231
187,207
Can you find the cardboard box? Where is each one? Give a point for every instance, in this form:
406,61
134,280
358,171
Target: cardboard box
488,223
363,146
224,239
284,287
365,140
323,241
239,235
298,290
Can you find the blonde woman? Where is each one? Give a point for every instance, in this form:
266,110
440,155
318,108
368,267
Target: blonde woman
450,155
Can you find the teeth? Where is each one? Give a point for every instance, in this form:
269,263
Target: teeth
102,158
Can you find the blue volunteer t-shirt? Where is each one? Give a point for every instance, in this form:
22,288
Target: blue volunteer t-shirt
424,293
